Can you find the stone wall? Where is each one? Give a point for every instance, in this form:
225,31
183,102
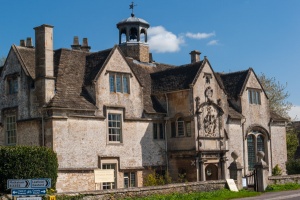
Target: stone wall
146,191
284,179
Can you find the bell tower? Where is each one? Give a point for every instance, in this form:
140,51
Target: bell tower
133,37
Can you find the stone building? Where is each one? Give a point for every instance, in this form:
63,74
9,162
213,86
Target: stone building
118,109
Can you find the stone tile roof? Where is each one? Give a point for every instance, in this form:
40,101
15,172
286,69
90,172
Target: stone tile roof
70,71
27,59
176,78
233,82
277,117
94,63
234,114
143,73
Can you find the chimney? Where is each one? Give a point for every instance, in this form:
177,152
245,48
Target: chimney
29,42
22,43
85,45
76,45
44,65
195,56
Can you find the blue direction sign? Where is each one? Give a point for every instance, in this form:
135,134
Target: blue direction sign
41,183
27,192
18,183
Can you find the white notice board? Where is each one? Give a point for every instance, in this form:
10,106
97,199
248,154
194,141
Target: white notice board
104,175
231,184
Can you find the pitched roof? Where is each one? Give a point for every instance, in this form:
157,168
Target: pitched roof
176,78
142,72
27,59
233,82
277,117
234,114
70,71
94,63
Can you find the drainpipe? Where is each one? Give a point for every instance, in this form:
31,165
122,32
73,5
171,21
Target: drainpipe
166,136
244,155
270,123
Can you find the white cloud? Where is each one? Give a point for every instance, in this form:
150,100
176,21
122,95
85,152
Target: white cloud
294,113
162,41
213,42
199,36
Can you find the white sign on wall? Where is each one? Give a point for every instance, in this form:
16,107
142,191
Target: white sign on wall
104,175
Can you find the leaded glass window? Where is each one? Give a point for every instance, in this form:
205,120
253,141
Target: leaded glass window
251,152
114,128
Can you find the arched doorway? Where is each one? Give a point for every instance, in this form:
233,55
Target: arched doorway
211,172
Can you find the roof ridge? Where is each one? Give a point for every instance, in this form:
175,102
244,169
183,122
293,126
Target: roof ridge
229,73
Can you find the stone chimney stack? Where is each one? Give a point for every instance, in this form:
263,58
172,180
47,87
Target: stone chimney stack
85,45
76,45
195,56
44,64
22,43
29,42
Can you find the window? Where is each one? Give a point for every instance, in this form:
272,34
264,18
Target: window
119,83
254,96
181,128
109,185
12,85
158,131
114,128
10,129
129,179
255,143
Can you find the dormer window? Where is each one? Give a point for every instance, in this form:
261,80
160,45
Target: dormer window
12,84
254,96
119,82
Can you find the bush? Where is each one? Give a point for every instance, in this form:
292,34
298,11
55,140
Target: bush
154,179
276,171
23,162
293,166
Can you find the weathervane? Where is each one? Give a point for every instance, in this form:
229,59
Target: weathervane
131,6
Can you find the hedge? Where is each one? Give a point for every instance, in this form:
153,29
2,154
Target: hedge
27,162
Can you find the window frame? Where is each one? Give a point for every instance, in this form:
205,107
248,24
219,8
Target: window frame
11,130
181,128
131,178
256,146
114,127
110,185
117,83
158,131
12,83
254,96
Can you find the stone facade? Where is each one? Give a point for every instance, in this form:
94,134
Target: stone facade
113,109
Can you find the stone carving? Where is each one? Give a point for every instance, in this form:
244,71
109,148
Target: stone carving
210,122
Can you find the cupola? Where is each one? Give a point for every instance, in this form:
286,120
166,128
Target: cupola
133,37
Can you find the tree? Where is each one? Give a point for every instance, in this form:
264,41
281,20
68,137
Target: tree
277,95
2,60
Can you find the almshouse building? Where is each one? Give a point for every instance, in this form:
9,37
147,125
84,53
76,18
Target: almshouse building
118,109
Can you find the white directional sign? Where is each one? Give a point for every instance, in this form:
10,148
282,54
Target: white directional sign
29,198
18,183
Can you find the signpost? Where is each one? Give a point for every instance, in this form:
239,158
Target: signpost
29,187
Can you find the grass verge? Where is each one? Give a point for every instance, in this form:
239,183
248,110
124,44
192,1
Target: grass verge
283,187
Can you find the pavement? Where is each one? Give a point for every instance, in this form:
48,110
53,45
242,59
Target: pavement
290,195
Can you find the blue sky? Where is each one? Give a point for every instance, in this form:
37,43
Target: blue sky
233,34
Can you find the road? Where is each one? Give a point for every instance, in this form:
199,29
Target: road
290,195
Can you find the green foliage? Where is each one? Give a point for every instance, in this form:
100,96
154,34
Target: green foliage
276,171
283,187
23,162
182,178
292,143
293,166
154,179
277,95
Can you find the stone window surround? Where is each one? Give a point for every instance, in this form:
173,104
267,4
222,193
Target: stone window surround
10,129
131,179
110,160
12,111
254,96
255,133
158,131
123,89
185,121
118,111
12,83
